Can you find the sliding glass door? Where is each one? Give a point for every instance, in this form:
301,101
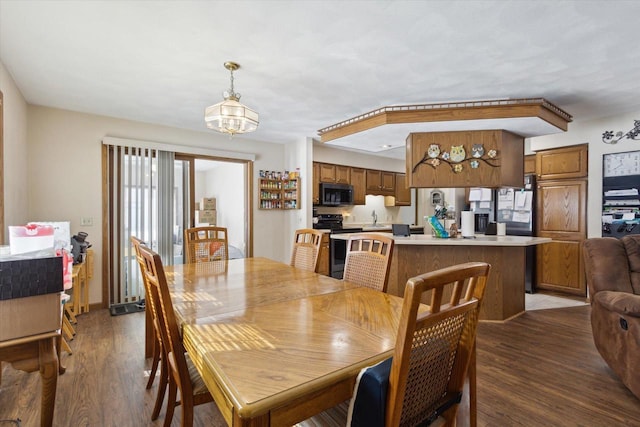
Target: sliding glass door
148,197
151,194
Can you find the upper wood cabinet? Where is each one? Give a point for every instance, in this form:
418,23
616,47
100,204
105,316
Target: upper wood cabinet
327,172
343,174
569,162
364,181
388,181
402,192
358,180
333,173
530,164
381,182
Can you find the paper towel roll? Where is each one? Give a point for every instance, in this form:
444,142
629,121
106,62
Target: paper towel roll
501,229
467,224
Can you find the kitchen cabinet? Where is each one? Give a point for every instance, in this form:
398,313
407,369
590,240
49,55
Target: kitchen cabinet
380,182
358,181
334,174
327,172
316,184
561,210
560,163
343,174
530,164
561,215
402,192
364,181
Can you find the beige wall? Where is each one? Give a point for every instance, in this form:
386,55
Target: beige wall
322,153
16,177
65,179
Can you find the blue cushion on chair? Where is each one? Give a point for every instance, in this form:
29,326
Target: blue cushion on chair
368,404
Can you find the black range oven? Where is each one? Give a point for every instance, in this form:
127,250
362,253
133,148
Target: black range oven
337,247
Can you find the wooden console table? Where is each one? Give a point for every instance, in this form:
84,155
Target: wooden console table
36,352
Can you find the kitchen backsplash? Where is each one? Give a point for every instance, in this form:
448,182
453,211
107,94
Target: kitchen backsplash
362,214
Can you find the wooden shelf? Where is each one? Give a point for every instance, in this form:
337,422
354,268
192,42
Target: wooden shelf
281,194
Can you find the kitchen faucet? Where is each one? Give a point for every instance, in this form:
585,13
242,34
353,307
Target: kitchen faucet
375,217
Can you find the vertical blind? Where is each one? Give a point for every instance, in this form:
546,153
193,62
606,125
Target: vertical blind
140,197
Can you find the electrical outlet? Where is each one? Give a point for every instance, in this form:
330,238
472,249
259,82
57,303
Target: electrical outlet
86,221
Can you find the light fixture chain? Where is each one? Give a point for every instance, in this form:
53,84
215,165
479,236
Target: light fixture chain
232,91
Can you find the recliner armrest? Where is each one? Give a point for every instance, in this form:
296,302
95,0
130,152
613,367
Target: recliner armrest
619,302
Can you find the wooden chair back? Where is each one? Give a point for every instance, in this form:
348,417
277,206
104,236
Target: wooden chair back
152,320
168,325
434,347
206,244
368,260
306,248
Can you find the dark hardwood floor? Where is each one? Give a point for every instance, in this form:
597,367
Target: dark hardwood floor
540,369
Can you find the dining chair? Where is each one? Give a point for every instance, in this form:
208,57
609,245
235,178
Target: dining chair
206,244
422,383
157,352
183,376
306,248
368,260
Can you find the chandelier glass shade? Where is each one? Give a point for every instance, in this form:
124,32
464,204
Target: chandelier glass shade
230,116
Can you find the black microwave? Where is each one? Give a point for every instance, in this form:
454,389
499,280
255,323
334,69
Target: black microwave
336,194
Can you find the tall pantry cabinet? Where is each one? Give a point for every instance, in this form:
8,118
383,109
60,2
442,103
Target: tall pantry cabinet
562,216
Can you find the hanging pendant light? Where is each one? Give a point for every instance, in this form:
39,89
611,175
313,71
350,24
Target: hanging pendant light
230,116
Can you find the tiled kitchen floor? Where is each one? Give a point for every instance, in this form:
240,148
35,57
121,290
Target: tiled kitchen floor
539,301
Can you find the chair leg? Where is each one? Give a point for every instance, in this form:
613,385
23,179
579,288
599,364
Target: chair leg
154,364
171,403
70,313
162,388
65,346
473,399
67,329
187,410
66,321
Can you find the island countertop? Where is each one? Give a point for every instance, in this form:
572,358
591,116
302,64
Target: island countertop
478,240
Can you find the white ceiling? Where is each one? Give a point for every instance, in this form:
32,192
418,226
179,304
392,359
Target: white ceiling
309,64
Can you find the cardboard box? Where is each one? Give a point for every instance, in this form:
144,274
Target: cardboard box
208,203
206,217
22,317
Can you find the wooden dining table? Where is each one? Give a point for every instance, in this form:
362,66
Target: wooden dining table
275,344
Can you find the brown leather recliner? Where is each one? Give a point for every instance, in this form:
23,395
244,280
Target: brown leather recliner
612,269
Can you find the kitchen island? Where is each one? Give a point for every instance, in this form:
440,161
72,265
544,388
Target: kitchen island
504,295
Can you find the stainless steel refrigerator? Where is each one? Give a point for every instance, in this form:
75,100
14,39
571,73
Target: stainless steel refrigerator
516,207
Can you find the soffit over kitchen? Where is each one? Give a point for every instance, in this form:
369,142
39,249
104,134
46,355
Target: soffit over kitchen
385,129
